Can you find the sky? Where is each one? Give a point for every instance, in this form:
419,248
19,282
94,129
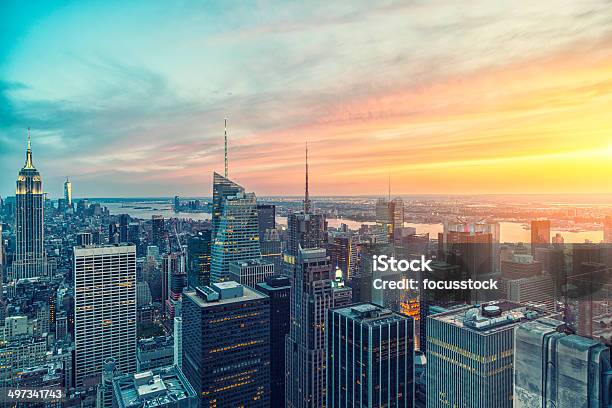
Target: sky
128,98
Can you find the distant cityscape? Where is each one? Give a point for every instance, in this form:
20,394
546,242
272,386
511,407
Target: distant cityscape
233,300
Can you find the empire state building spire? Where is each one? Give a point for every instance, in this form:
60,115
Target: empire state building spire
28,163
306,196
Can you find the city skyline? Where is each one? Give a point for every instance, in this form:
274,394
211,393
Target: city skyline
138,110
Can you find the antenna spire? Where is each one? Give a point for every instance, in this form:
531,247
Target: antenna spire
29,164
225,135
306,196
389,186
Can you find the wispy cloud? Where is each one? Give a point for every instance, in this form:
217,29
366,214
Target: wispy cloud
130,99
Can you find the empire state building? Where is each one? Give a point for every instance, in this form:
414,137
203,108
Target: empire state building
29,215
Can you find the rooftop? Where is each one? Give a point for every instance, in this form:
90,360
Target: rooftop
210,296
490,317
275,282
250,262
370,314
157,388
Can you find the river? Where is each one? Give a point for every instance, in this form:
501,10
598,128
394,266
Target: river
509,231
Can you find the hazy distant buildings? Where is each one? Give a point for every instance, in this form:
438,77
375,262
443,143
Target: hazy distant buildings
370,357
104,309
158,232
554,368
226,345
607,229
68,192
540,234
390,219
473,247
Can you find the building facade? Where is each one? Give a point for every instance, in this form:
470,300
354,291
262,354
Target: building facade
237,236
470,355
312,295
29,222
370,357
226,345
104,309
250,272
555,368
278,289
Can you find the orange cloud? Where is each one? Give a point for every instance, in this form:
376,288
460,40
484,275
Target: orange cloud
538,126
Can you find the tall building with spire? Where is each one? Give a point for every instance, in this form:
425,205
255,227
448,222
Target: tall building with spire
306,229
68,192
222,188
29,217
312,295
235,227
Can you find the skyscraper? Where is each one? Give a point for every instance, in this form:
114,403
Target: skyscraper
68,192
29,221
554,368
278,289
104,309
475,248
157,232
174,280
470,354
199,250
311,296
266,218
222,188
271,249
237,236
540,234
370,357
226,345
250,272
306,230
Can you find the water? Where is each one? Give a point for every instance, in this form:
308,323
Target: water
509,231
155,208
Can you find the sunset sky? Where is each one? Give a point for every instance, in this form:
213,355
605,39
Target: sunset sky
128,98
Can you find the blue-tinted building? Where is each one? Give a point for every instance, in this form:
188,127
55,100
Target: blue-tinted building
226,345
370,357
235,231
222,188
278,289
